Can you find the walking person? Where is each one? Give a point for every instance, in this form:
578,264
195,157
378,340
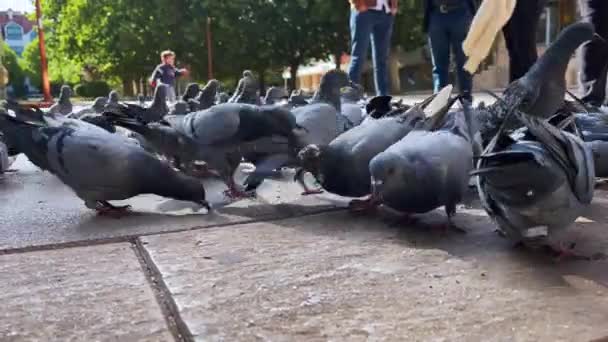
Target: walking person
372,20
594,54
166,73
447,22
520,36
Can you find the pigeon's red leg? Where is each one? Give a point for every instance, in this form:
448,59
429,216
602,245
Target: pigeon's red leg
106,209
567,252
234,193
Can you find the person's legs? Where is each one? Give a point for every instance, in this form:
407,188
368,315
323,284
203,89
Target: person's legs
440,52
520,36
381,45
360,31
459,27
594,54
171,94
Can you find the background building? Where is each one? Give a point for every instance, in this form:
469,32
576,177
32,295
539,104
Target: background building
17,30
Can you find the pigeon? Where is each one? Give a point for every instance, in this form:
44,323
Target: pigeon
296,99
223,97
536,183
320,120
157,110
113,101
429,167
141,99
63,105
180,108
352,94
247,90
207,97
275,95
192,90
541,90
99,166
321,117
342,166
5,162
97,107
220,136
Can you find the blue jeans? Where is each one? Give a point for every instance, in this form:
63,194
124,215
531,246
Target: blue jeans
449,30
378,26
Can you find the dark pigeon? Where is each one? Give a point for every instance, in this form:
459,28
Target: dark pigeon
536,183
157,110
542,89
180,108
99,166
296,99
207,97
247,90
63,105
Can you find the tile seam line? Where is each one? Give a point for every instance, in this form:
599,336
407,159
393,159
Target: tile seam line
131,237
167,305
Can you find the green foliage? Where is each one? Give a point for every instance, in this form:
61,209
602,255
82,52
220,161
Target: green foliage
16,75
123,38
92,89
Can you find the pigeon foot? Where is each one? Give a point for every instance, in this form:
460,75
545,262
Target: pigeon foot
564,252
106,209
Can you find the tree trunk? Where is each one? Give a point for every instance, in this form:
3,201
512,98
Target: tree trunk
127,87
293,71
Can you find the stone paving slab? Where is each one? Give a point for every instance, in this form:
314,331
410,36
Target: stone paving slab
37,209
339,278
78,294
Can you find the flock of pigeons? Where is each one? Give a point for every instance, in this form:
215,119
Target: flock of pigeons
535,156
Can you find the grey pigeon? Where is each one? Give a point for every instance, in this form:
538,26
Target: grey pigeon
275,95
157,110
428,168
4,157
97,107
247,90
207,97
141,99
99,166
541,90
353,93
322,118
220,136
535,184
99,121
113,101
342,166
63,105
223,97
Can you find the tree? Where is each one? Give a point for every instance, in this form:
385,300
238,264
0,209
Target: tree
16,76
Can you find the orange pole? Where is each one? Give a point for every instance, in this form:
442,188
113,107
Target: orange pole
46,85
209,50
